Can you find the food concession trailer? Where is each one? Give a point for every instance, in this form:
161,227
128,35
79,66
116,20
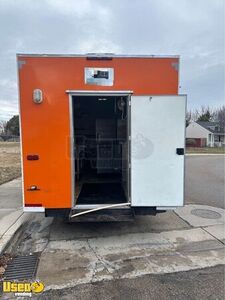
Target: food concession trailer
102,135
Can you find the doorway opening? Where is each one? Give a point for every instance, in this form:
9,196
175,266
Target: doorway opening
101,149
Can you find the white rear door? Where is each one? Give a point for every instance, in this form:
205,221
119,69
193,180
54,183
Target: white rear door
157,145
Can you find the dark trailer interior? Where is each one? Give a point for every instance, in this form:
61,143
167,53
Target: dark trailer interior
100,125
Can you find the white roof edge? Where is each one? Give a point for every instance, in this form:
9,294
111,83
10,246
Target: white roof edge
98,92
97,55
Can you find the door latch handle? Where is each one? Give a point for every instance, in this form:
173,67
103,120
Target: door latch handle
180,151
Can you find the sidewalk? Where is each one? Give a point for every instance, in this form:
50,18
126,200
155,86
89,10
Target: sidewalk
11,214
9,224
85,254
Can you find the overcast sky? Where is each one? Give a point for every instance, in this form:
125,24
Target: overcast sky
193,29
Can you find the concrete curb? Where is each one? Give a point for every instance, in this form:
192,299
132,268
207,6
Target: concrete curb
205,154
9,225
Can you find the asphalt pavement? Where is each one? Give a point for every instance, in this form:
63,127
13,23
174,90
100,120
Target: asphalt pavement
204,180
199,284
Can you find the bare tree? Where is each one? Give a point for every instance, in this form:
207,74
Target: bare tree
188,117
3,127
12,126
204,113
219,116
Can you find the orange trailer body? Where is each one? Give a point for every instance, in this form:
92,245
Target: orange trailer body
45,127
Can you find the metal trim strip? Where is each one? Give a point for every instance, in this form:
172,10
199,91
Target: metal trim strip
98,55
33,209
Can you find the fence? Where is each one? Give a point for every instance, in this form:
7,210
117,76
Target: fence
9,138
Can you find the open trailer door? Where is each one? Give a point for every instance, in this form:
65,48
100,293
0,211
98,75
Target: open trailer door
157,150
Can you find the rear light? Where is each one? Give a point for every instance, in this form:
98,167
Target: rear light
33,205
32,157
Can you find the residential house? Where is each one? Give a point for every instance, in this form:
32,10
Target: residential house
212,133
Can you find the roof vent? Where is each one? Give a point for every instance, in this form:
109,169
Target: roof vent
99,56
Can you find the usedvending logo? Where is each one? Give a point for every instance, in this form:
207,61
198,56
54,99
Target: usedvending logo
142,147
23,288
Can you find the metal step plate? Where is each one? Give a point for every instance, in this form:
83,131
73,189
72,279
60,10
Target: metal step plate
22,268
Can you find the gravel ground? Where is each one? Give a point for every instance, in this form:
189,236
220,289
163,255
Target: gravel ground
9,161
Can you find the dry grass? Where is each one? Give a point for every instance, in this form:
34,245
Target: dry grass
205,150
10,167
